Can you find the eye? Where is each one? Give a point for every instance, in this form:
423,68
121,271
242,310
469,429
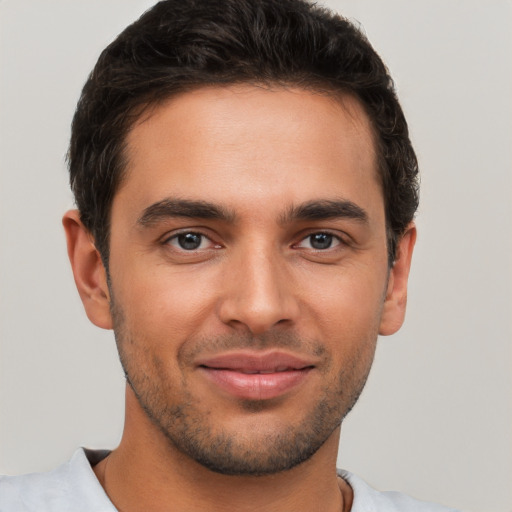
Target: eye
190,241
320,241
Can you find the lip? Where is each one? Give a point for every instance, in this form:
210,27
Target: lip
256,376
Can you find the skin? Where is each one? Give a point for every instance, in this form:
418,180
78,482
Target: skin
255,283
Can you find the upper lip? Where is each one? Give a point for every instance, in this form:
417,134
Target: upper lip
256,362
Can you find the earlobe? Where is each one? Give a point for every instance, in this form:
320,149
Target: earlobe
88,270
393,312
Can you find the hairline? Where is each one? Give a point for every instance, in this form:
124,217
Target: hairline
142,111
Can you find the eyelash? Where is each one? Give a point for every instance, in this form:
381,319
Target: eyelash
176,236
333,239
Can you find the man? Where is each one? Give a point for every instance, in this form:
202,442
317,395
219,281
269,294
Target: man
246,190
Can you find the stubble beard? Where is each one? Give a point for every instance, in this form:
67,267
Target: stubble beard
190,431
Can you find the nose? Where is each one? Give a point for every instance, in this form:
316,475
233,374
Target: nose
259,293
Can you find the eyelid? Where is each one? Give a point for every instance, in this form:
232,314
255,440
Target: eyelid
342,240
166,239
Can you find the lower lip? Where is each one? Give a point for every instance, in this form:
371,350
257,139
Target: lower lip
256,386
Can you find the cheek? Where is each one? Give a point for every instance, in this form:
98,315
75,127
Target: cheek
348,301
162,307
347,319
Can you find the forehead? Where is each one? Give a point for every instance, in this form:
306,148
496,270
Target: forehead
244,142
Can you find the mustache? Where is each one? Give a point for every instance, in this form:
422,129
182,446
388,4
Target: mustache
190,350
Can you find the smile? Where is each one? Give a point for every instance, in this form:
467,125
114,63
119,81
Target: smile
252,376
277,370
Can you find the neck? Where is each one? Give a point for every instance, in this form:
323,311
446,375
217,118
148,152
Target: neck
146,472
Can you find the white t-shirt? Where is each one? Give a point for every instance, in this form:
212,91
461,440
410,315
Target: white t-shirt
73,487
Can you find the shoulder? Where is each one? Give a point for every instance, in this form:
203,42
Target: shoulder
367,499
71,486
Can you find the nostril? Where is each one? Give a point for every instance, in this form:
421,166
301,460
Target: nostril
259,302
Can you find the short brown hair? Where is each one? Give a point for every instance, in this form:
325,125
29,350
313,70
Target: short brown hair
183,44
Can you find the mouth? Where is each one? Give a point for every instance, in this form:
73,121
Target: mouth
255,376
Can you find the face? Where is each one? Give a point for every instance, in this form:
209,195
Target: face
248,272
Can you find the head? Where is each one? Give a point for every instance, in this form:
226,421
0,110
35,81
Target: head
179,46
245,186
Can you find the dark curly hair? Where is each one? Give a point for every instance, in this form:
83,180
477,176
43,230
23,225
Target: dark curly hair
179,45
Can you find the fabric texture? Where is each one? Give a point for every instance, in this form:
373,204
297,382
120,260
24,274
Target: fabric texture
73,487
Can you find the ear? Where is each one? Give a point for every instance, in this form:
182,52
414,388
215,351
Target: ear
88,270
393,312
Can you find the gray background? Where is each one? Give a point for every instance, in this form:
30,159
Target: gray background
435,419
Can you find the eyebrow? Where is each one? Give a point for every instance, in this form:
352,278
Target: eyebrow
326,209
311,210
169,208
